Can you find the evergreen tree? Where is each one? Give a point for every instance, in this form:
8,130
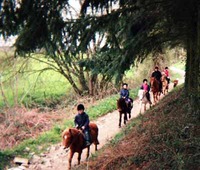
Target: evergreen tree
132,29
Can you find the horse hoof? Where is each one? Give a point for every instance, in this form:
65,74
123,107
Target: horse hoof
119,126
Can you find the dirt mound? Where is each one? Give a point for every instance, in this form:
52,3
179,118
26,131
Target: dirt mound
17,124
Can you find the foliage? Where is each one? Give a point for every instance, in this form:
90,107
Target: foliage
152,26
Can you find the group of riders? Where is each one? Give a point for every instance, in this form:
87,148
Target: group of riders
81,120
124,93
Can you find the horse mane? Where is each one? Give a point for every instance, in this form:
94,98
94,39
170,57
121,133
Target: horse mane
74,131
154,84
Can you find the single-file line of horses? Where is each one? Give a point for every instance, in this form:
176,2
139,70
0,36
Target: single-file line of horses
74,138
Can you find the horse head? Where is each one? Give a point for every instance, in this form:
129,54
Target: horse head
121,104
68,136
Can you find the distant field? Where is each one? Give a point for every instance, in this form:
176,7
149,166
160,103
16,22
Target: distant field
31,87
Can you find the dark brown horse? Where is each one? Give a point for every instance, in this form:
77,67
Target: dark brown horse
74,139
124,108
155,88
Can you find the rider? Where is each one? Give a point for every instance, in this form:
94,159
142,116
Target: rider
146,88
124,92
166,71
157,74
82,121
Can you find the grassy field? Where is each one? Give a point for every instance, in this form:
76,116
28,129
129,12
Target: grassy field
31,86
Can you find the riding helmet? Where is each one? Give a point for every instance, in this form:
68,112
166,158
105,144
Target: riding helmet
80,107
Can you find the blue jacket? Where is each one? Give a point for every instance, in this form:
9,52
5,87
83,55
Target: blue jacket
124,93
82,120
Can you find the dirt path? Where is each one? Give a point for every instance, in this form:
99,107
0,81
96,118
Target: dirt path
57,159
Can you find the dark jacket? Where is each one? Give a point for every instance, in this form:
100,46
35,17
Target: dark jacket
157,75
124,93
82,120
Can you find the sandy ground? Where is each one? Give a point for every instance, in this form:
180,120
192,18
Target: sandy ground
57,159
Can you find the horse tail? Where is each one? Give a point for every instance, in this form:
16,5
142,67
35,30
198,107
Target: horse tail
95,132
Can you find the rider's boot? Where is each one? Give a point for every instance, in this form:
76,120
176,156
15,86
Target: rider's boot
87,138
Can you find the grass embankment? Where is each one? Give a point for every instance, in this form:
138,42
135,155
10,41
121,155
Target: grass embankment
43,141
166,137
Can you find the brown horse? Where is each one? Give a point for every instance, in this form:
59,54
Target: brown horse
124,108
155,89
74,139
165,85
175,83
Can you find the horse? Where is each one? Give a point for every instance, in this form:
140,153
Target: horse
155,89
165,85
74,139
124,108
143,99
175,83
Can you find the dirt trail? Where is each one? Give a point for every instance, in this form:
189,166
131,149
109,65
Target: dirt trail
57,159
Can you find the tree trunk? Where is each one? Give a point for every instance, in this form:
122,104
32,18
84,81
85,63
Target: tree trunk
195,98
193,66
83,82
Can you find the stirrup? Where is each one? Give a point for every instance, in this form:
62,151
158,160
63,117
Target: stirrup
87,143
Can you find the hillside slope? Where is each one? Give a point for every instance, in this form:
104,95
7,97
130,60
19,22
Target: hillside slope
168,137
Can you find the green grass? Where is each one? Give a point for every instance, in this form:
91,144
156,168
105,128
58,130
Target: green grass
180,65
33,87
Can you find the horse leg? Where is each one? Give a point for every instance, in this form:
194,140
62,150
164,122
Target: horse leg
145,107
95,146
129,114
140,106
79,157
88,152
120,118
125,117
154,98
70,159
